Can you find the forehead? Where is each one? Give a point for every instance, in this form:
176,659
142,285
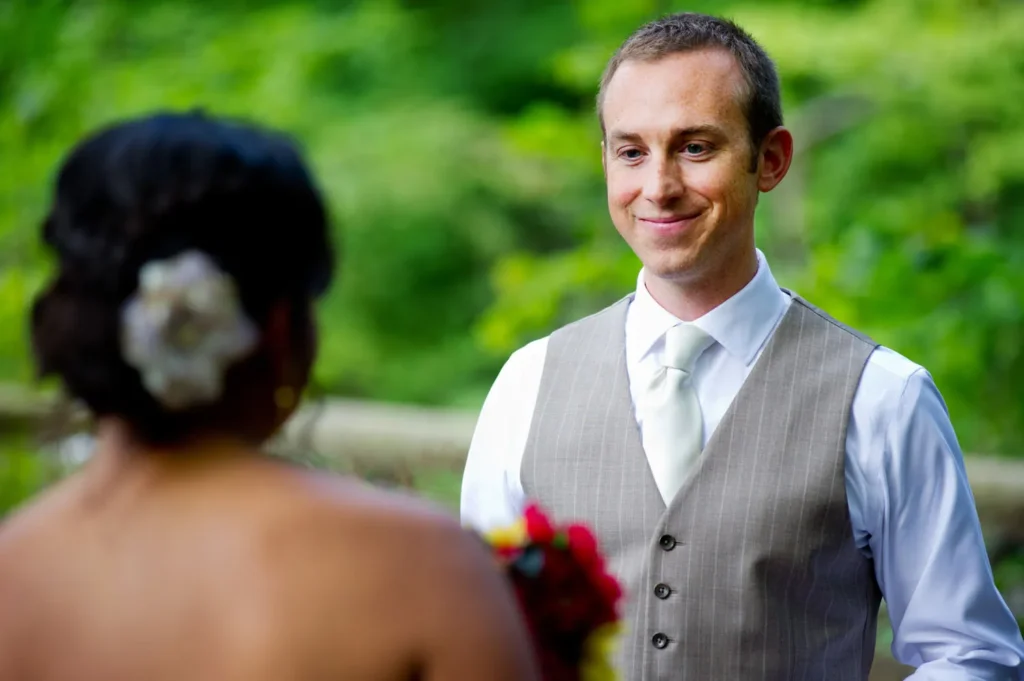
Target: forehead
688,89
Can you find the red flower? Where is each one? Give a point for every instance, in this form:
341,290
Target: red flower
583,545
538,526
564,591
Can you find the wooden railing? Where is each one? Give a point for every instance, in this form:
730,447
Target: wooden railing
384,437
389,437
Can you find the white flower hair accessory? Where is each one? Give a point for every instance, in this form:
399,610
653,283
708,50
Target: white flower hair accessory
183,328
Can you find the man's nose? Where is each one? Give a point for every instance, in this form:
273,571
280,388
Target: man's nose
664,184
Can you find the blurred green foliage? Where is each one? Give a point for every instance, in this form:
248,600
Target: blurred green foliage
23,471
457,143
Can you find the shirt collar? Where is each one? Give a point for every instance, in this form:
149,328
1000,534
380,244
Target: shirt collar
741,324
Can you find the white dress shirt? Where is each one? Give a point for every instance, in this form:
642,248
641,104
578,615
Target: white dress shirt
910,503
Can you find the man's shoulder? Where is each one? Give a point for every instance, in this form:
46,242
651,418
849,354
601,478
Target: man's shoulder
615,312
893,367
889,366
824,317
888,375
533,354
530,355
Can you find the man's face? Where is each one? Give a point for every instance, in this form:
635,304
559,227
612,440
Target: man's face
677,158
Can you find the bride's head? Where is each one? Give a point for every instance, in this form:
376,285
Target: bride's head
189,252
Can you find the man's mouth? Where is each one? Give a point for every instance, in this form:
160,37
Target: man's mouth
670,224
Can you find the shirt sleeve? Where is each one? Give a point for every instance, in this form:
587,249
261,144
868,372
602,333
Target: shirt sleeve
948,618
492,492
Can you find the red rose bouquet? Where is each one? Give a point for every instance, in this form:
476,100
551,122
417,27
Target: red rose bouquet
569,600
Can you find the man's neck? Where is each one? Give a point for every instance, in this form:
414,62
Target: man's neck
691,298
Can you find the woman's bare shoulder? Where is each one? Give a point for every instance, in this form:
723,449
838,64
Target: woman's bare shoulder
434,585
345,510
35,519
405,548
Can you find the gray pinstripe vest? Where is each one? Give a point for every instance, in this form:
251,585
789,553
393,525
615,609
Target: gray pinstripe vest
751,573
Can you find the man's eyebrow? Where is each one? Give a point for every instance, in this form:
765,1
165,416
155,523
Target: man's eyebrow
623,136
694,131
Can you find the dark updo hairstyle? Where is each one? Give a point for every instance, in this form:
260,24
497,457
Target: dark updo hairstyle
151,188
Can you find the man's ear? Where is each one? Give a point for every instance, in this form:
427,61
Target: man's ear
774,159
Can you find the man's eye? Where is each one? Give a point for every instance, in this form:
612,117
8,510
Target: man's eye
630,154
695,148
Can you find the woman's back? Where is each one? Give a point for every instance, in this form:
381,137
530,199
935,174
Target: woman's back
190,252
239,567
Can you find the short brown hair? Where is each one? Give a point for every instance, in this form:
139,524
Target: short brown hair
688,31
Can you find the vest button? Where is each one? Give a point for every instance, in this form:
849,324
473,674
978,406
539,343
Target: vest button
660,641
662,591
667,542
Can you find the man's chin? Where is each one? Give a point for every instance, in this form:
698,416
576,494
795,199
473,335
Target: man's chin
671,266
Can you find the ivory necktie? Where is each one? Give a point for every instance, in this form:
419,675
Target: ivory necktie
673,429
